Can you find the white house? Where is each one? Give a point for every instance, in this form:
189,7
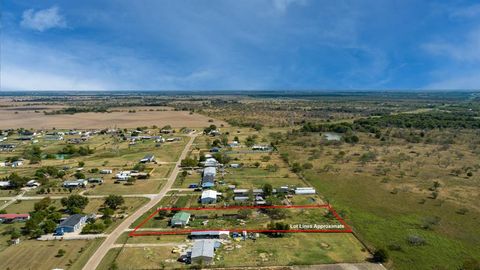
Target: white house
75,183
5,184
211,162
148,158
261,147
234,144
17,163
209,196
32,183
210,171
123,175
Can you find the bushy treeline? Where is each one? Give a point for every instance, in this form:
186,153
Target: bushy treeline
429,120
250,124
74,151
74,110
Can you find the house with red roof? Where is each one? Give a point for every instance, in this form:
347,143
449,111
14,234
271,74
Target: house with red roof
10,218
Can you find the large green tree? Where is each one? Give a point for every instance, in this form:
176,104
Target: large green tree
74,203
114,201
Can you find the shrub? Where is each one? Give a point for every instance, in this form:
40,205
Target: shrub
60,253
380,256
415,240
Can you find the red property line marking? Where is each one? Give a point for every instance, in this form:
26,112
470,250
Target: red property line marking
169,232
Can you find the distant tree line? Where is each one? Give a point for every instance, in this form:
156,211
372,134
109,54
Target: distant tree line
238,123
74,110
428,120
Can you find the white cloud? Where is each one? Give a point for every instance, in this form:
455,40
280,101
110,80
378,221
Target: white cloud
32,66
42,20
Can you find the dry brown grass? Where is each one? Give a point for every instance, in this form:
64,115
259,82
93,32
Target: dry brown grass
145,116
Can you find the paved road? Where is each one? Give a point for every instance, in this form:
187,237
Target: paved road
109,243
10,200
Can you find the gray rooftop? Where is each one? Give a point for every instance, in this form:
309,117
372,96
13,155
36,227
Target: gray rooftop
203,248
71,221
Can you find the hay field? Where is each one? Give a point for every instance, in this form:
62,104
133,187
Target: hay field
120,117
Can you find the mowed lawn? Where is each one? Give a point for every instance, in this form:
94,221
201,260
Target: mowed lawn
42,254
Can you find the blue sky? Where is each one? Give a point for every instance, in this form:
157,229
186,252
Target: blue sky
232,44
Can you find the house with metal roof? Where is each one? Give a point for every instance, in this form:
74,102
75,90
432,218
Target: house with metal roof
95,180
305,191
75,183
206,185
241,198
261,148
209,196
148,158
10,218
241,191
180,219
5,184
210,162
203,251
210,171
208,181
209,235
72,224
